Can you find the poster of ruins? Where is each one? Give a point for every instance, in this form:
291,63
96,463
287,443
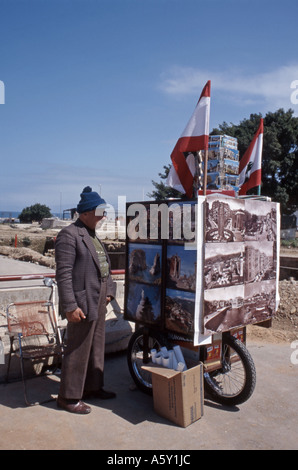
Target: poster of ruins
180,282
160,284
144,268
144,263
241,262
181,268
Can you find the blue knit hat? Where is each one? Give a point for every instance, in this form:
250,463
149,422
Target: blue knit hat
90,200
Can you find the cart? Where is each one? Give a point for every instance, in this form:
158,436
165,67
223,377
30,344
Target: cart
197,273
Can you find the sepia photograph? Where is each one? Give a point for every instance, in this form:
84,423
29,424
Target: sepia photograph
240,266
223,309
260,262
224,264
230,307
225,220
260,221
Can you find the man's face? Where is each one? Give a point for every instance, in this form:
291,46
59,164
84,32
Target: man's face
90,219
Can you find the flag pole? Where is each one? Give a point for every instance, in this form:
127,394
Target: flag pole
205,171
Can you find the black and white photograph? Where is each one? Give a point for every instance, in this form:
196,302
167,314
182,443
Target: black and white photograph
260,221
224,308
260,300
225,220
260,262
240,266
224,264
239,305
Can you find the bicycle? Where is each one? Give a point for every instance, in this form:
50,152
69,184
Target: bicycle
229,381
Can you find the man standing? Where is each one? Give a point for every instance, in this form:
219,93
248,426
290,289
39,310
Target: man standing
85,287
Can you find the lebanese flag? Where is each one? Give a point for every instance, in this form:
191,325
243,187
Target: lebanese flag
195,137
250,166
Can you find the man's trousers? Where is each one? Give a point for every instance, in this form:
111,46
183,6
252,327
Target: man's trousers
83,361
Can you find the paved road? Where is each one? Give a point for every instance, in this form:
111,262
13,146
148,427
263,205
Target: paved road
268,420
10,266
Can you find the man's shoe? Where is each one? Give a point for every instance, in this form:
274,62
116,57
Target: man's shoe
102,394
73,406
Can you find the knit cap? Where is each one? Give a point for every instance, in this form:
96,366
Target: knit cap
90,200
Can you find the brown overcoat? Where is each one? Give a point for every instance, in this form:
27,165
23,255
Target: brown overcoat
78,272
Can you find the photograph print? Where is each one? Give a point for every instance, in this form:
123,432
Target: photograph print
144,263
143,303
179,311
224,264
225,219
223,309
260,221
240,270
181,268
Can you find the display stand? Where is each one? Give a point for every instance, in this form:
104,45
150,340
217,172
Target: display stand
199,271
200,267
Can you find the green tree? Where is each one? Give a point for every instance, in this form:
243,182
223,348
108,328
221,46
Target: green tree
34,213
280,153
279,161
162,191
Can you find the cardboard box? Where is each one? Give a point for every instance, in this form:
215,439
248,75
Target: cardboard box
178,396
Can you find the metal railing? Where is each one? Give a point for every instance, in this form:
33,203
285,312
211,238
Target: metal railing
29,277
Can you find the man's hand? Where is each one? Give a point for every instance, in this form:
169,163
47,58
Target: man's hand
75,316
109,299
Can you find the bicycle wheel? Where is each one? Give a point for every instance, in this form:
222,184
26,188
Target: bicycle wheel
234,383
135,356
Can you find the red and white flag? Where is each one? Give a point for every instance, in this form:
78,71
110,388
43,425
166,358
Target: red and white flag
195,137
250,166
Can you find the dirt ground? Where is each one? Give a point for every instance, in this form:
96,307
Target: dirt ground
30,241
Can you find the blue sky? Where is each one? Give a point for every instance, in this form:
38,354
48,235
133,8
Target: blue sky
97,92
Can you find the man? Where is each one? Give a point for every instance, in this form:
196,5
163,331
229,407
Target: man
85,287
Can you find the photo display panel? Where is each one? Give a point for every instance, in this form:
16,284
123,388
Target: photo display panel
181,269
241,262
160,282
144,266
202,267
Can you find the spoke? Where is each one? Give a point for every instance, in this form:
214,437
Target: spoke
231,380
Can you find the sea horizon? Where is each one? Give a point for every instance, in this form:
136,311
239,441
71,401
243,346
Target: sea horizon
15,214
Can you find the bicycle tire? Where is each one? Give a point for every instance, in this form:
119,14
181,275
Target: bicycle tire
235,381
135,356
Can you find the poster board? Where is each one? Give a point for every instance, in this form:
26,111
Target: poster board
241,262
196,268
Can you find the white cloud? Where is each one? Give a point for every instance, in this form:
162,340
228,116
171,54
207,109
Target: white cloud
270,89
